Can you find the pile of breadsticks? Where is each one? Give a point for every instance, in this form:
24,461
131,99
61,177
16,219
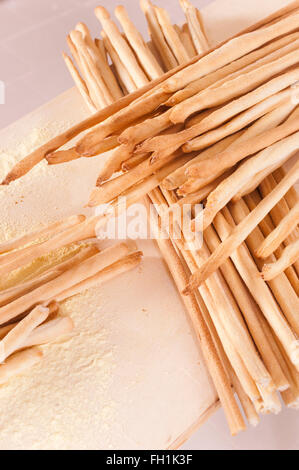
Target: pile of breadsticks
29,310
215,130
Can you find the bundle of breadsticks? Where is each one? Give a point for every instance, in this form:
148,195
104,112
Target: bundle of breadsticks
214,128
29,309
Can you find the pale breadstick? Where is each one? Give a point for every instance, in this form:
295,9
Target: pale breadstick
116,269
282,289
68,279
172,36
250,312
157,35
71,154
195,26
49,332
289,256
243,149
125,78
266,160
242,231
230,51
18,335
235,67
19,363
215,366
83,90
260,292
21,289
291,197
46,232
99,58
145,56
287,225
120,45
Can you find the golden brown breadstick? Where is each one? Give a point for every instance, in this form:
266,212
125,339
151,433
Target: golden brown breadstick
195,26
229,52
145,56
291,197
68,279
242,231
157,35
18,335
235,67
19,363
289,256
286,226
172,36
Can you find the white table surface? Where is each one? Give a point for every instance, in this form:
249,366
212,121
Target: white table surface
32,34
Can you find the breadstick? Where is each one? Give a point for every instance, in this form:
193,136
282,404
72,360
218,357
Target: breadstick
101,63
281,287
157,35
261,293
172,36
232,68
46,232
21,289
266,160
120,45
187,41
71,154
116,269
18,335
195,26
229,158
250,312
264,97
291,197
49,332
289,256
83,90
286,226
215,366
68,279
145,56
242,231
230,51
133,161
19,363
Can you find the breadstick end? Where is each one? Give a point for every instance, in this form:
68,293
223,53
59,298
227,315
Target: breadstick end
102,13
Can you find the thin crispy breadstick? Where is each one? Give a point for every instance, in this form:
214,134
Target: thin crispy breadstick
120,45
229,52
145,56
281,287
195,26
157,35
116,269
71,154
21,289
19,363
266,160
232,68
49,332
46,232
68,279
172,36
230,157
133,161
242,231
18,335
291,197
250,312
187,41
216,369
289,256
83,90
286,226
101,63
